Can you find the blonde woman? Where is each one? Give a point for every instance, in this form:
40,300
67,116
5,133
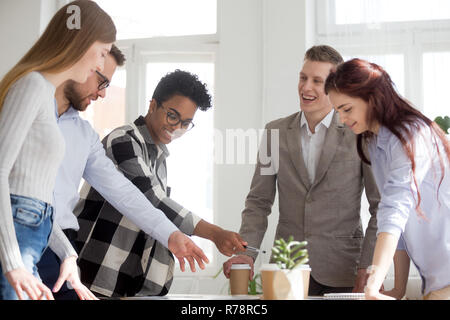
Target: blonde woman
32,147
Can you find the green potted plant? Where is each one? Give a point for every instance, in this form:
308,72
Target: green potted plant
444,123
288,277
290,254
254,285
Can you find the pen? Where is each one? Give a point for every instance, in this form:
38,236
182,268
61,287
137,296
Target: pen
254,249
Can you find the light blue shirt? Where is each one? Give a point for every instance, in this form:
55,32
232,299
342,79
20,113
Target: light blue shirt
427,241
86,158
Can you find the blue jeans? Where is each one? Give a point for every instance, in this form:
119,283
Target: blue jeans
33,221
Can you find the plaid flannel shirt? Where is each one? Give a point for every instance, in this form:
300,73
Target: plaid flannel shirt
116,257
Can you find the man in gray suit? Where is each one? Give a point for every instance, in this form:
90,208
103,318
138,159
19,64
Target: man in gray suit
320,180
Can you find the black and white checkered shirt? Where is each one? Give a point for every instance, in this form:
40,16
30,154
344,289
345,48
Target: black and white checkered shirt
116,257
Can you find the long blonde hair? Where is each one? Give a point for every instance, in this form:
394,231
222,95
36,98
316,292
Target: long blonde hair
61,46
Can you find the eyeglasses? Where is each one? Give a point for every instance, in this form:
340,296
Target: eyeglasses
104,81
174,119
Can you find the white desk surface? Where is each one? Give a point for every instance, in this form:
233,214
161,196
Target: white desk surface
205,297
195,297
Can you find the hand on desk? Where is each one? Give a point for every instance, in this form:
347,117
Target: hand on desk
373,294
395,293
361,280
184,248
69,272
24,282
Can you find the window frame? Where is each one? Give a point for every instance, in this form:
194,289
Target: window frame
411,38
326,24
139,52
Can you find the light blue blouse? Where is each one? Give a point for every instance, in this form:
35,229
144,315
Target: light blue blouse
426,240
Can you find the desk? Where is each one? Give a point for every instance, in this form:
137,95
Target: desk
195,297
205,297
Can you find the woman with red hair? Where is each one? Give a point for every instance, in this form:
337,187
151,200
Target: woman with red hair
410,159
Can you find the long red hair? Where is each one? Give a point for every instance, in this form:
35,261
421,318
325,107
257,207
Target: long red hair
371,83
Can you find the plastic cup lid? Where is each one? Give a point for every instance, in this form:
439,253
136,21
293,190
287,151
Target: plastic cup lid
269,267
240,266
304,267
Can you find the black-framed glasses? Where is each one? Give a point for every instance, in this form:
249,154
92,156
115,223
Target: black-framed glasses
173,118
104,83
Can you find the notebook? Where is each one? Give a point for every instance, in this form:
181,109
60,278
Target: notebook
344,296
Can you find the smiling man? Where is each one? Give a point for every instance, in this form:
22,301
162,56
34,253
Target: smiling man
117,257
320,181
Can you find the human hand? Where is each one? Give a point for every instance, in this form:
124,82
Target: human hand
184,248
69,272
361,280
23,281
375,294
237,260
394,292
228,242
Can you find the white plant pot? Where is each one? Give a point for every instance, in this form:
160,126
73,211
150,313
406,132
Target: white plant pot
282,284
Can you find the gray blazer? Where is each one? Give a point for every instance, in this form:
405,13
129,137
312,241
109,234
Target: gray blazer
326,213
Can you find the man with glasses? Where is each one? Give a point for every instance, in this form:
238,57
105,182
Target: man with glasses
116,257
104,82
85,158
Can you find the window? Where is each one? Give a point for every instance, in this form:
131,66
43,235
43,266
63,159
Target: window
380,11
436,66
409,39
160,18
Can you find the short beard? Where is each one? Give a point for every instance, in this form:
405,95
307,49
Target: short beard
73,95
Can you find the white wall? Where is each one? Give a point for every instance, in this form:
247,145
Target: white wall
21,21
288,31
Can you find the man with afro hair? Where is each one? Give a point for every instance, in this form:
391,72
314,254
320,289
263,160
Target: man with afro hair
117,258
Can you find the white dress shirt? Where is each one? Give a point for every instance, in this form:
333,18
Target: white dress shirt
86,158
427,241
312,143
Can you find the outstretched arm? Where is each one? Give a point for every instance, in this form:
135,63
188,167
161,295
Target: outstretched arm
401,270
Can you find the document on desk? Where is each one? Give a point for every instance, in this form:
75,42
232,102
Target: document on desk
195,297
344,296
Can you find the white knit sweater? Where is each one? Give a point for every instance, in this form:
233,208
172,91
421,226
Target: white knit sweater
31,150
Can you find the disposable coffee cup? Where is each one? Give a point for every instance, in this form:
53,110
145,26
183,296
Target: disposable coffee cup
306,272
239,277
268,272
